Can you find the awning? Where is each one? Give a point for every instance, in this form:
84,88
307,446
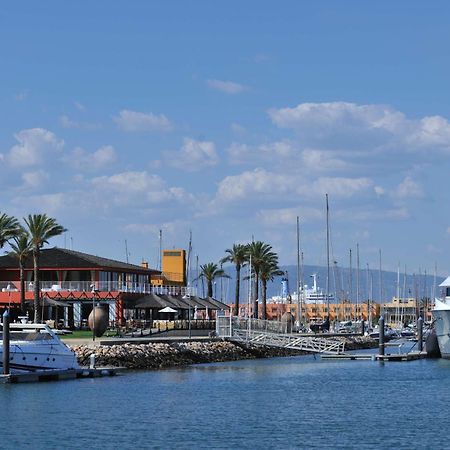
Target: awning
186,302
47,301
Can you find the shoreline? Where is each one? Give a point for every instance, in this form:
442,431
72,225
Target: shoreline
154,356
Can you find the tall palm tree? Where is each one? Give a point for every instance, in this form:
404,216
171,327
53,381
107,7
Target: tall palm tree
268,270
9,227
40,228
258,252
238,256
209,272
21,248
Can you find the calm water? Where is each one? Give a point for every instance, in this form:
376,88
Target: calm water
297,402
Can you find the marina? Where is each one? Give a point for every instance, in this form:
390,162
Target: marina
239,403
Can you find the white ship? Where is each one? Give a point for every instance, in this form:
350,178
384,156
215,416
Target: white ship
441,319
36,347
308,295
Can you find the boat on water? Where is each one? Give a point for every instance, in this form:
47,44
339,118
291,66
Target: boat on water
34,347
441,319
308,294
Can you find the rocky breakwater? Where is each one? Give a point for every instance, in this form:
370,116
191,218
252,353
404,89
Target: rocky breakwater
163,355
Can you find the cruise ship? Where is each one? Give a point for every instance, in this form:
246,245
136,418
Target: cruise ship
441,319
308,295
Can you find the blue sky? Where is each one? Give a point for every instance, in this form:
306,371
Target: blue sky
230,119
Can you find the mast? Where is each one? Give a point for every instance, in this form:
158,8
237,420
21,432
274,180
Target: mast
160,250
126,250
380,279
299,311
398,294
368,290
351,283
328,258
357,281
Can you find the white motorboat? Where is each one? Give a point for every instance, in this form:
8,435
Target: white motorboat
441,319
36,347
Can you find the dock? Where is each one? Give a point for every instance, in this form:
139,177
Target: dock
398,357
60,374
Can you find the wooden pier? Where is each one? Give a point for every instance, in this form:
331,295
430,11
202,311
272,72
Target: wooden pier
58,375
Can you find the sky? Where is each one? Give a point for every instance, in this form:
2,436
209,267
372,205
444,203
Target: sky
229,120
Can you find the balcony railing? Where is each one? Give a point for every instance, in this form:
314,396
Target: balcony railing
99,286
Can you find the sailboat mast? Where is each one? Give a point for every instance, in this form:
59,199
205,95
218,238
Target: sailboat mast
299,311
351,282
328,258
398,294
357,281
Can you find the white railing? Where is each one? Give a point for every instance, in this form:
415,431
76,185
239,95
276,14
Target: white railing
99,286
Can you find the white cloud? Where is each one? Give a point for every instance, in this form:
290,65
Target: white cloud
238,129
21,96
408,188
35,179
229,87
138,188
273,152
138,121
67,122
379,191
351,127
277,186
79,106
288,216
194,155
35,144
101,158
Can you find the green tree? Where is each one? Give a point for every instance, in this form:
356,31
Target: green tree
41,228
258,252
21,248
9,227
209,272
237,255
268,270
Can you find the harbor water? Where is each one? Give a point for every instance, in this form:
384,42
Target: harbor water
296,402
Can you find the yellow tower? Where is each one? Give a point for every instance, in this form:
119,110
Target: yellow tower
173,266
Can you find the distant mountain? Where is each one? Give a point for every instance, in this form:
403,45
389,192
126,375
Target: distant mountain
369,281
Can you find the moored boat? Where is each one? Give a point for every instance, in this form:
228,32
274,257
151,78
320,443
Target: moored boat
36,347
441,319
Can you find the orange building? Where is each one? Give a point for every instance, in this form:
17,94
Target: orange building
338,311
173,268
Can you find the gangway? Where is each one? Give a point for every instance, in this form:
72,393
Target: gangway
274,334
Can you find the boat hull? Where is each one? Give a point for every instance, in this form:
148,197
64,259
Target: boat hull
441,318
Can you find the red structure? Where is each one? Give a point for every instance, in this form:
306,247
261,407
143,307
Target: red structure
75,279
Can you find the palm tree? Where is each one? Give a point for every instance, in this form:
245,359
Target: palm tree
21,248
238,256
209,272
268,270
40,228
258,252
9,227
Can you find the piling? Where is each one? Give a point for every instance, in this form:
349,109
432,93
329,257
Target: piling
420,334
381,336
6,343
